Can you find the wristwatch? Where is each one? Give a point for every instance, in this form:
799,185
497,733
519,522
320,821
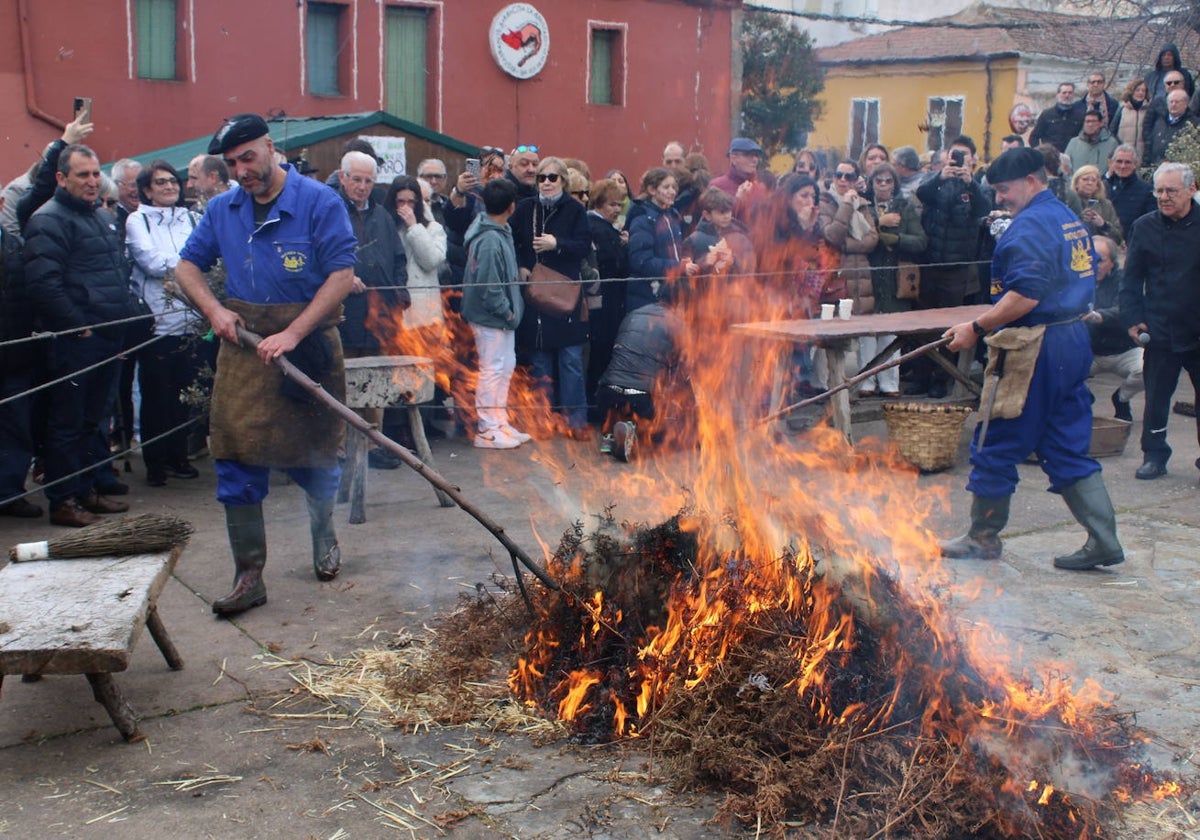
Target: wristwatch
978,329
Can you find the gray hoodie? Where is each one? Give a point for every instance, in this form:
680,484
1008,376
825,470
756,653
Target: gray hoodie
491,296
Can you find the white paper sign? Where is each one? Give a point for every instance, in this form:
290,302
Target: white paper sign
391,151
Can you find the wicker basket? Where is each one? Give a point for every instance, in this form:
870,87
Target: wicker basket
927,434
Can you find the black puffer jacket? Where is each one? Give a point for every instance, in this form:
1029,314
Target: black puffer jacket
16,314
951,218
1158,287
75,267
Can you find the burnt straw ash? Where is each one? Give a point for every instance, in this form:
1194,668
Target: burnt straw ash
843,709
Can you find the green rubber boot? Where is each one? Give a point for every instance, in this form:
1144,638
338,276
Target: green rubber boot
982,541
1090,505
327,557
248,541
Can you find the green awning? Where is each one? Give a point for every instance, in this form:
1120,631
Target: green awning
294,133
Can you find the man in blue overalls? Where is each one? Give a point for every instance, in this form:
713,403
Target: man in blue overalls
288,249
1043,273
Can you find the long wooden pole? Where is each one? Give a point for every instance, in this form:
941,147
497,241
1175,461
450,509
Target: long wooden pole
250,339
854,380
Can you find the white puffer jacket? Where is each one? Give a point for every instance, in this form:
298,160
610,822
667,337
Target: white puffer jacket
154,237
425,249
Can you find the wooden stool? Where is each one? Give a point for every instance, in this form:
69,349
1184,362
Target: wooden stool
84,617
384,382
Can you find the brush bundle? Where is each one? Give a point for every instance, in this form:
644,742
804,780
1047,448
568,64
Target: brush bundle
146,533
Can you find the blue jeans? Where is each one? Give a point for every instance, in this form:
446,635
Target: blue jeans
570,384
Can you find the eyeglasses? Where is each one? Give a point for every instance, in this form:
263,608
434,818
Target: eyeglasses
845,176
432,176
520,150
884,180
167,179
110,203
1095,81
552,177
1169,191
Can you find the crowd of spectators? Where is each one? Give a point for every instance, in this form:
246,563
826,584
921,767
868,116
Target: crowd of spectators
89,258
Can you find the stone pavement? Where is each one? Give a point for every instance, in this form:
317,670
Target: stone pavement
214,765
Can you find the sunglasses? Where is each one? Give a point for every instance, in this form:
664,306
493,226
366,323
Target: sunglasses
162,182
484,151
552,177
581,194
884,180
1175,82
844,176
520,150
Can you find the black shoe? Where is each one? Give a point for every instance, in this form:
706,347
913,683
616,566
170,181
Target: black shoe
379,459
1121,407
184,470
116,488
21,508
156,478
1150,469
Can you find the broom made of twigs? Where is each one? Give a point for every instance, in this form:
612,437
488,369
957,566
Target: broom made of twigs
146,533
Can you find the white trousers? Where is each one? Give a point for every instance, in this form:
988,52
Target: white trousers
1128,365
497,361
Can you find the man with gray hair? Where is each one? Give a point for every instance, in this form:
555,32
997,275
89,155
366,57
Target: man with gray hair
1131,196
908,166
1113,350
125,172
1167,126
379,267
1160,304
673,155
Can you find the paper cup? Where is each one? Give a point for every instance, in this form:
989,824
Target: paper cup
844,307
826,311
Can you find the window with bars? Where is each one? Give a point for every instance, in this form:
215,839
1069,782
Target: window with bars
945,121
864,125
323,36
156,26
406,75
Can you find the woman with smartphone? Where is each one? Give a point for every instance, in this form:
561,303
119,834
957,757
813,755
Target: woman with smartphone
1098,212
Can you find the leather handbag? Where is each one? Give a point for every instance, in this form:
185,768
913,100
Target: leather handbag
552,292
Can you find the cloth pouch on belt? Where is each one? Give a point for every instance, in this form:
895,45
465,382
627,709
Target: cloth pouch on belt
1012,357
252,421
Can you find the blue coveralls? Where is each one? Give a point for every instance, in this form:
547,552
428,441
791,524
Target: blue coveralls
1046,255
306,237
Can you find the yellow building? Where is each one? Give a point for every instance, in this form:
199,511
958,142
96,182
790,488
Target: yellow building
922,85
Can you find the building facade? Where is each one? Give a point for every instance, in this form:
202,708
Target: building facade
617,78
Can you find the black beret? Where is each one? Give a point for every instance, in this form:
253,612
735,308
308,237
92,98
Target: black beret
237,130
1015,164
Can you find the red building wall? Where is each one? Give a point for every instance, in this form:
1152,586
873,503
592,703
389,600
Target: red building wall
245,55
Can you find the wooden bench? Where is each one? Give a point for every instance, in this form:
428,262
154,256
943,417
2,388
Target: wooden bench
385,382
84,617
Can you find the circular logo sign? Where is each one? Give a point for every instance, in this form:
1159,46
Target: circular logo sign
1020,118
520,40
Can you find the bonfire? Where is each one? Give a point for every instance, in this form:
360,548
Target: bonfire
776,625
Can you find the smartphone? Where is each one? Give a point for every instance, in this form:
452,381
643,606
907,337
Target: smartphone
472,165
957,157
1092,202
83,108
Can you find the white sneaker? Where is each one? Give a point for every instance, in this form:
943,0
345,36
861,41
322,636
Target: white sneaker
495,439
518,436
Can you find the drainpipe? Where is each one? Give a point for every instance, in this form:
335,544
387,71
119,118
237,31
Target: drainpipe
987,125
27,67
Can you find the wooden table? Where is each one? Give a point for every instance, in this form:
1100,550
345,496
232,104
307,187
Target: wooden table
84,617
836,337
385,382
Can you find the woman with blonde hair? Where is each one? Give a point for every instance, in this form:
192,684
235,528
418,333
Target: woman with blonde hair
1098,212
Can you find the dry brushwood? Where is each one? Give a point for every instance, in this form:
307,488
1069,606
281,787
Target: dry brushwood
899,735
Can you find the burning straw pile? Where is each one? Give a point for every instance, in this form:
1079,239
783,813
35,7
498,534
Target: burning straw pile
811,699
